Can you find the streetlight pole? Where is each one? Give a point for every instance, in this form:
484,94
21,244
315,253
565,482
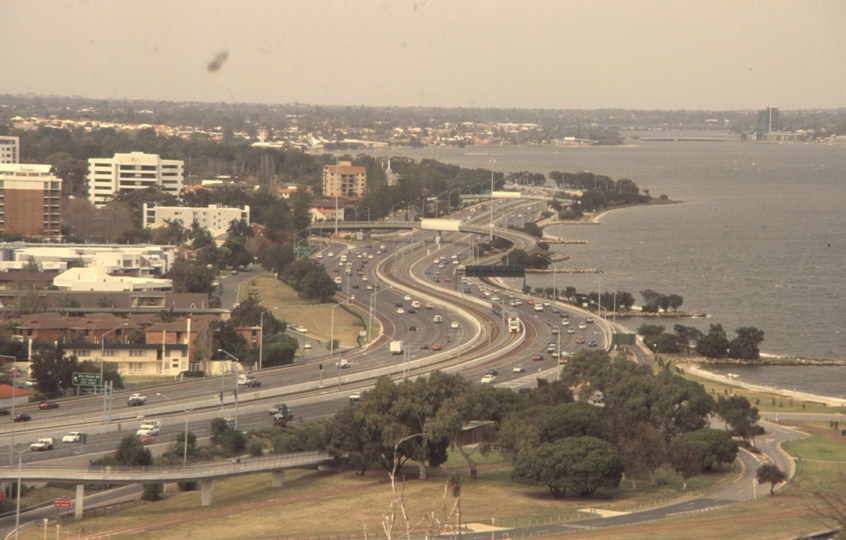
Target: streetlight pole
436,203
338,176
261,340
14,397
372,297
102,366
449,199
236,384
18,510
185,442
332,331
492,200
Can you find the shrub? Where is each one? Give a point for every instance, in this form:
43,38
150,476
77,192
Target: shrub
153,492
255,448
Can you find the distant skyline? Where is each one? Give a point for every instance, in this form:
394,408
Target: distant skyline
657,54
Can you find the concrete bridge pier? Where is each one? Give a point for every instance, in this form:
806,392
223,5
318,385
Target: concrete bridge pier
277,478
206,491
79,503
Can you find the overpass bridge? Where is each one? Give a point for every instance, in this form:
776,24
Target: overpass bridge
204,473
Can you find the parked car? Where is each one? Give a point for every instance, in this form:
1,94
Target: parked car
48,405
22,417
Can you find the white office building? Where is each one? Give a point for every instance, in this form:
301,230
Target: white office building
10,149
213,218
125,172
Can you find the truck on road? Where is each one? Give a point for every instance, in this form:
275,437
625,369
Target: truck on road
396,347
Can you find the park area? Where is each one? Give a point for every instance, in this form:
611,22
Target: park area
314,316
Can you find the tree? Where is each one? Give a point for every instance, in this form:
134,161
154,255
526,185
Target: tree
218,427
711,446
576,419
688,336
53,371
131,452
685,461
770,474
191,277
646,329
349,439
714,344
233,442
675,301
239,230
581,464
275,258
745,345
737,412
317,285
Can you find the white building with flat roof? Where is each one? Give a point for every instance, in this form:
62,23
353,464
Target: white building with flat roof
213,218
138,260
126,172
98,280
10,149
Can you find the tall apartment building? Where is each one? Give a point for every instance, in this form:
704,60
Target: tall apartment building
344,180
10,149
125,172
212,218
30,198
767,122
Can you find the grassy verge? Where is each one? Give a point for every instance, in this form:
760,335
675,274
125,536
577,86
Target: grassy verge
315,503
316,317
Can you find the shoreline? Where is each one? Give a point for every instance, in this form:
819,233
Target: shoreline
695,369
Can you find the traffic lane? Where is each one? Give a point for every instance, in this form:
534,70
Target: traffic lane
230,288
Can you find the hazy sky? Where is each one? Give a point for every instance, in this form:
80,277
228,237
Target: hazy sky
647,54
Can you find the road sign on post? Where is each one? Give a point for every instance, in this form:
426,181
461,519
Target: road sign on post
86,379
62,502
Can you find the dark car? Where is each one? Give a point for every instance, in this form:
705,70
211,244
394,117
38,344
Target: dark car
4,412
23,417
355,286
468,290
491,371
254,383
135,402
424,346
592,343
411,310
398,304
412,328
564,314
437,279
48,405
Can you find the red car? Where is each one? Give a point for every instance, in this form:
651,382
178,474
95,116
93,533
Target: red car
48,405
447,279
537,357
530,302
483,295
437,347
336,270
580,340
147,439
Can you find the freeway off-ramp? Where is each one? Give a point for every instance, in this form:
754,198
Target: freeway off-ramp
411,261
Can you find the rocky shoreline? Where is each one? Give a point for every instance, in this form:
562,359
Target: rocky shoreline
779,361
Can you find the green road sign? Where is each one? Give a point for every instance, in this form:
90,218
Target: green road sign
303,250
86,379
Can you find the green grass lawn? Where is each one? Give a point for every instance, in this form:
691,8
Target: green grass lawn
314,316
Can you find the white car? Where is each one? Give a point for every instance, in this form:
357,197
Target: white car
495,298
538,307
307,346
454,325
546,304
369,287
407,298
330,254
355,396
519,369
437,261
488,379
343,364
147,429
441,265
72,437
370,256
338,280
318,256
363,278
382,247
565,323
400,311
582,326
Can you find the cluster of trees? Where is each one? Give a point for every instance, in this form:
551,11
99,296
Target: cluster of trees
52,371
714,344
653,300
529,228
553,440
519,257
310,280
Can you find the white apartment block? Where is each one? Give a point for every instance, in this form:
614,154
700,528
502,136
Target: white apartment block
213,218
137,260
109,176
344,180
10,149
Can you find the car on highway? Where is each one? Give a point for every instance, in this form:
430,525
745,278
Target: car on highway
407,298
580,340
4,411
364,278
306,345
582,326
589,320
412,328
437,347
430,306
571,331
565,323
412,310
22,417
488,379
147,429
482,295
355,286
491,371
146,439
338,280
369,287
436,279
454,325
448,279
398,303
437,319
44,405
424,347
72,437
400,311
253,383
330,254
318,256
519,368
468,290
564,314
355,396
44,443
530,302
515,303
537,357
592,343
538,307
437,261
344,363
336,270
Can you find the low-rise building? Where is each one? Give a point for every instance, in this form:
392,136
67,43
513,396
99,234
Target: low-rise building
213,217
97,279
128,172
139,260
344,180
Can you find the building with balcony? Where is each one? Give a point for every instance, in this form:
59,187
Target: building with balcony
126,172
344,180
213,217
30,200
10,149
